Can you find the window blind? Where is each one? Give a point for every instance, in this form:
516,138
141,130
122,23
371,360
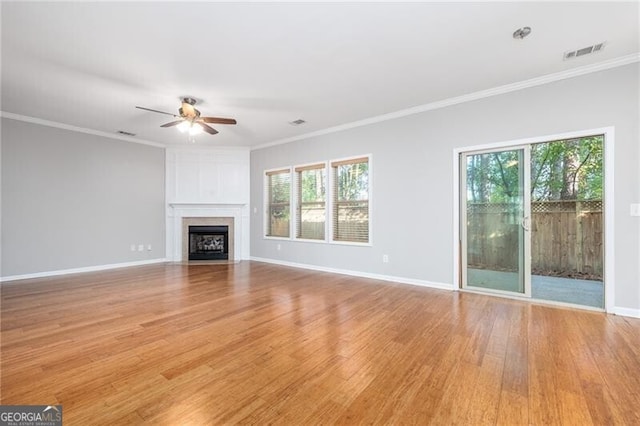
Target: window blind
279,208
351,200
311,202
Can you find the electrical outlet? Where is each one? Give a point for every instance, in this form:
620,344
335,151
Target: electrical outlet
141,247
279,247
635,209
385,258
149,247
133,247
255,210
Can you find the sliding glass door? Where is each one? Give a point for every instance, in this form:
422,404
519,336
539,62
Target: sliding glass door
495,208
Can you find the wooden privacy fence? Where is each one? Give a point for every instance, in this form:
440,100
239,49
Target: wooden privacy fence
566,237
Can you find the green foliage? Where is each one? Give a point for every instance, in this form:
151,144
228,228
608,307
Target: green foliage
313,185
279,196
494,177
280,188
560,170
567,170
353,182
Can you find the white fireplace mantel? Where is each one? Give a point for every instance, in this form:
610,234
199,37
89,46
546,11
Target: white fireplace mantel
197,205
176,211
207,182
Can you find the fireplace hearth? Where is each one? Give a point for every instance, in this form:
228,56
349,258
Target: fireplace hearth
208,242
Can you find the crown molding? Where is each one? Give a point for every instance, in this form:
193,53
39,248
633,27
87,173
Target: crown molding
538,81
63,126
507,88
205,148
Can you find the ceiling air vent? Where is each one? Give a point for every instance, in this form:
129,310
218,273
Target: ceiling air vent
297,122
584,51
122,132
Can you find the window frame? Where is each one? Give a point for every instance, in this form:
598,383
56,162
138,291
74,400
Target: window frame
295,201
329,202
347,160
267,202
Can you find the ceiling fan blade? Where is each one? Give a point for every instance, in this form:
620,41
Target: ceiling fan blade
218,120
155,110
207,128
173,123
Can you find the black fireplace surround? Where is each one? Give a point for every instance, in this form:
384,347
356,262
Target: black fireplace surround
208,242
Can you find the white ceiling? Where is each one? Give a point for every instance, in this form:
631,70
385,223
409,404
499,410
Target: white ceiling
265,64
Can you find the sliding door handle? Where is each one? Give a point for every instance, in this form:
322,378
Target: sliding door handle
526,223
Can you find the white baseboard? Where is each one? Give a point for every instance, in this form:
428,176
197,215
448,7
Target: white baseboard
83,269
626,312
360,274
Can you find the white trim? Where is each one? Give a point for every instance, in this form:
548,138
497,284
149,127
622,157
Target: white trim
402,280
353,243
538,81
309,240
609,205
330,205
524,244
457,200
609,219
626,312
198,205
526,232
267,201
180,146
536,139
82,270
268,237
57,125
295,199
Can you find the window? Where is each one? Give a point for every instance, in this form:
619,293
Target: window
311,201
351,200
278,188
314,201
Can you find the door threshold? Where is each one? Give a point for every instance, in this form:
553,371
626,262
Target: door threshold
532,300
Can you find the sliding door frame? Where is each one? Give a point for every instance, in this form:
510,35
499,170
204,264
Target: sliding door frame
524,246
609,243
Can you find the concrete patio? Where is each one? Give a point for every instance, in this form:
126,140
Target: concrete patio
567,290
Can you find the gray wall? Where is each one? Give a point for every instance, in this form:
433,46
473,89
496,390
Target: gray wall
72,200
412,160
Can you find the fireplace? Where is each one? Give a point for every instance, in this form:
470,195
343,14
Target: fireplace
208,242
208,239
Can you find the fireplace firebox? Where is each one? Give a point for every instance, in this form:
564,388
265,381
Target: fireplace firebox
208,242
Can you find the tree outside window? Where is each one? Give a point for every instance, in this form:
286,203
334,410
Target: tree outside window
351,200
311,202
279,208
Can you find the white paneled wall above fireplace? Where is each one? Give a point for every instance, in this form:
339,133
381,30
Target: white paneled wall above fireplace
207,182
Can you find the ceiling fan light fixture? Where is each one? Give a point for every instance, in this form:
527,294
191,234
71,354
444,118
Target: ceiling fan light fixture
183,127
190,120
195,129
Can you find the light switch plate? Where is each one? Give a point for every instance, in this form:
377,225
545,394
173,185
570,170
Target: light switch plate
635,209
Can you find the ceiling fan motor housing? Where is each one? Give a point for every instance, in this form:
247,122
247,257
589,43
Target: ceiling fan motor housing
188,110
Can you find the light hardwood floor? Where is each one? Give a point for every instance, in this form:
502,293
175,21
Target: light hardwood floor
255,343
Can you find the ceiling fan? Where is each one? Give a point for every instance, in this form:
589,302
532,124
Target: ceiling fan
190,119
